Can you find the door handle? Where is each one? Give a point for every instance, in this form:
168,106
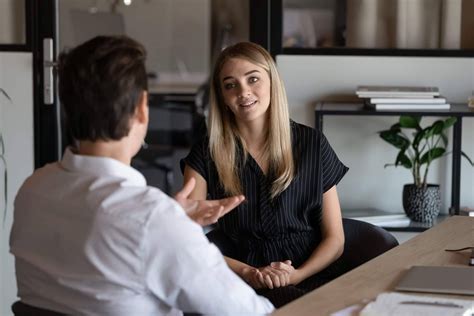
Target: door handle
48,67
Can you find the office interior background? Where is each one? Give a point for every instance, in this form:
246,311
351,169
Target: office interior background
183,37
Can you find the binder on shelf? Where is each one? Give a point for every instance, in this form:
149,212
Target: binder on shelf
397,91
437,100
407,106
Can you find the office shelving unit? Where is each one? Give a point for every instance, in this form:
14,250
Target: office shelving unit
457,110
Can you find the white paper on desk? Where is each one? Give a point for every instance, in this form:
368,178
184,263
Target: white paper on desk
389,304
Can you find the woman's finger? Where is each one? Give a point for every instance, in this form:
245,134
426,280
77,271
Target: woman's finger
275,279
261,278
268,281
283,266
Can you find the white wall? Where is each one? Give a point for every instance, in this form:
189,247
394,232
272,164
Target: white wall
16,121
354,138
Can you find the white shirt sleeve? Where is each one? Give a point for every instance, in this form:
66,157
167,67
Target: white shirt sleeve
187,272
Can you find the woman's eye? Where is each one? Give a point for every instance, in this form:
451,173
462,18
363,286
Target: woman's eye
253,79
228,86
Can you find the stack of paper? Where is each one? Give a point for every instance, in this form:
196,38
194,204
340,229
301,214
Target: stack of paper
402,98
388,304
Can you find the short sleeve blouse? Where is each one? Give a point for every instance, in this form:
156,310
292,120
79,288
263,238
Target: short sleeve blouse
288,226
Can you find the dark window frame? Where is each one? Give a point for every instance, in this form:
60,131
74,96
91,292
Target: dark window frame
266,29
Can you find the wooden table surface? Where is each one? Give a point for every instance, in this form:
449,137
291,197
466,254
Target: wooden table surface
383,273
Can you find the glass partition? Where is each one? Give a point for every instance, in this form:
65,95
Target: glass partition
12,22
175,33
378,24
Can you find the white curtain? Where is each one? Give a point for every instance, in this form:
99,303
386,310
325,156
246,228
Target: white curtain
422,24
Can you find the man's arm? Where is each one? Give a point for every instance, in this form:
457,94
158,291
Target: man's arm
187,272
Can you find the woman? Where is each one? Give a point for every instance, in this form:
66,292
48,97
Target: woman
290,227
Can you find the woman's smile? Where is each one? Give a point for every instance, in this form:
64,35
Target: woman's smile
245,89
248,103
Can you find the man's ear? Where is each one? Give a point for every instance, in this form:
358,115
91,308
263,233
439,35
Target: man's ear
141,111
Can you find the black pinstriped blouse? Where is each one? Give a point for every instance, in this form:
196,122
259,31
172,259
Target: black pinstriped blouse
287,227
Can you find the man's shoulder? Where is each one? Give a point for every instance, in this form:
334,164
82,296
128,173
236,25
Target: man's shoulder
41,176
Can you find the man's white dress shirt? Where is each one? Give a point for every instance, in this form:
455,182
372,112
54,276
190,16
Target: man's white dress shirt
90,237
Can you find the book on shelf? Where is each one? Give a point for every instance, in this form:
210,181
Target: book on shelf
396,91
436,100
409,106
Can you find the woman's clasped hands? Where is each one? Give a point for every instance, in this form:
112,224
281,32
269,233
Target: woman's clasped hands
275,275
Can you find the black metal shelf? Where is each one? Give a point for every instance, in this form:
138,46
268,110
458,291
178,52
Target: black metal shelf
456,110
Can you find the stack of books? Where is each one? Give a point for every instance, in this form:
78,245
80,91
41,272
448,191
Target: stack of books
402,98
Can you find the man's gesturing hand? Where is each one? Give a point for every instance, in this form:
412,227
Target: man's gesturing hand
205,212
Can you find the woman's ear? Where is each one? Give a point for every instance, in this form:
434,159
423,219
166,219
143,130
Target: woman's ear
141,112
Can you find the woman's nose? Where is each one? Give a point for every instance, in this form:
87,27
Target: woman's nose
244,91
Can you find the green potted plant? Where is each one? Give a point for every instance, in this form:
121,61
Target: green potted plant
3,162
421,200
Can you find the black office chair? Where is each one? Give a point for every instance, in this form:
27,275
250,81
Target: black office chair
170,128
152,157
22,309
363,242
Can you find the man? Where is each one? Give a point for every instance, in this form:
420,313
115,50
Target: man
89,237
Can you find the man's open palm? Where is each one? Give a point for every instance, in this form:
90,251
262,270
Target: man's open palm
205,212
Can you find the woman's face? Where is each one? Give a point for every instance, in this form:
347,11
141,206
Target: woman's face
246,89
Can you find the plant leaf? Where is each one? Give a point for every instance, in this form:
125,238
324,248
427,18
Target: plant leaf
432,154
394,139
437,127
395,128
407,121
444,138
403,160
449,122
418,137
467,157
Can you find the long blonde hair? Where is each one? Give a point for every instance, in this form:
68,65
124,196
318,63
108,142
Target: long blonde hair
223,132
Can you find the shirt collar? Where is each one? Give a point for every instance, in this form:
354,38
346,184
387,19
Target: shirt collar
102,166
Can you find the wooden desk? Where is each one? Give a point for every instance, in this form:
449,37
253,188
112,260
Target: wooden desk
383,273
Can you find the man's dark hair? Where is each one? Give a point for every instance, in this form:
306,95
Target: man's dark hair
100,84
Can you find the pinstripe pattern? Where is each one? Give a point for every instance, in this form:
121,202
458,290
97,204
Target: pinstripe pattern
287,227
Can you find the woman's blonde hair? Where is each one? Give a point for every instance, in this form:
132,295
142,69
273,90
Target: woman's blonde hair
224,135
